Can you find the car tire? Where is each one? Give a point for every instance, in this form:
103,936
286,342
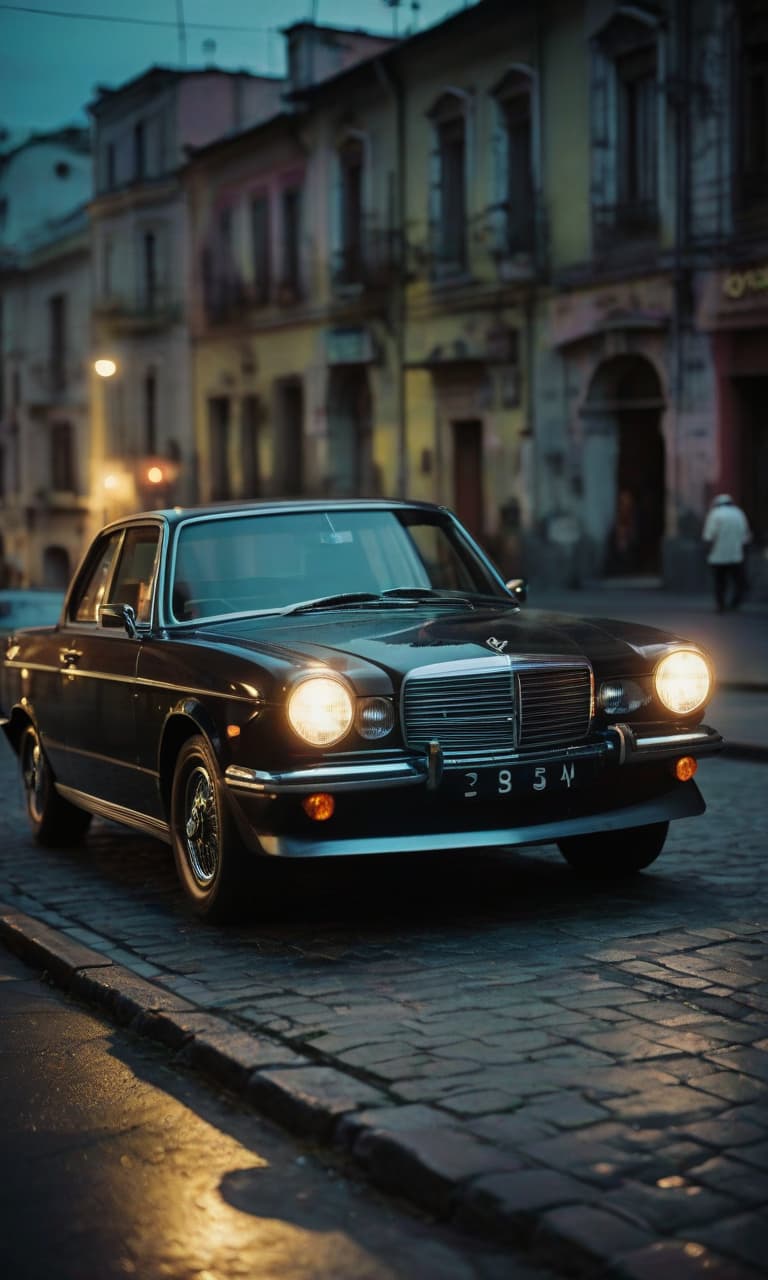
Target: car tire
611,855
54,821
213,866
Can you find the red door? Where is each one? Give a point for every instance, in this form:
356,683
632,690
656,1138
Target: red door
468,474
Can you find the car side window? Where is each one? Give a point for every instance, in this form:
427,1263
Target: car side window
90,595
134,580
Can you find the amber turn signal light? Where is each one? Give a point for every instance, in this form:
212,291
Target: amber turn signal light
319,806
685,768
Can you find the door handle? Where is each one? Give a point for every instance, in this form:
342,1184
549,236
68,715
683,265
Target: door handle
70,657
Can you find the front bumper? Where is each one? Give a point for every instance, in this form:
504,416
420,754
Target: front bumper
430,801
621,744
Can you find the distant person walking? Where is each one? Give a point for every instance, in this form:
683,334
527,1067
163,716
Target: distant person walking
726,533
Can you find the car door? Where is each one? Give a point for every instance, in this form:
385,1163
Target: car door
99,671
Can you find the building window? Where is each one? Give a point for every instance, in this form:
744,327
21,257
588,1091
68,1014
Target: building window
107,256
150,412
753,87
350,266
638,132
57,356
251,418
448,200
260,248
218,442
62,458
625,104
291,257
139,150
150,270
290,439
110,166
514,194
2,359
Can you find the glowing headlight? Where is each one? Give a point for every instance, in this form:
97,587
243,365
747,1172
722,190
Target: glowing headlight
682,681
320,710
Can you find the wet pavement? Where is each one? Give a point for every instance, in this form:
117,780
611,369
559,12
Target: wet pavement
580,1071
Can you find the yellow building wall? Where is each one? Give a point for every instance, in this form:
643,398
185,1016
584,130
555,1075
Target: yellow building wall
565,137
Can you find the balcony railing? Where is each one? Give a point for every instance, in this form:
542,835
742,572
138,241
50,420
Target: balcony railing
618,226
152,310
372,262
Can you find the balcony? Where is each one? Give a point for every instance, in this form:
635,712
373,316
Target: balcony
145,314
520,239
370,263
630,227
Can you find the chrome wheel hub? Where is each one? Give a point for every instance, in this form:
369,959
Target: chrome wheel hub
201,826
34,778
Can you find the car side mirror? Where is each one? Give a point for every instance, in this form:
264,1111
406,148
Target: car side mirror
518,587
119,615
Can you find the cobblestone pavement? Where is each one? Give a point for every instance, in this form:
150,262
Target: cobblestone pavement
581,1069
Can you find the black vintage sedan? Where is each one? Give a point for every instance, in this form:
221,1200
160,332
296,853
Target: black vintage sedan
306,679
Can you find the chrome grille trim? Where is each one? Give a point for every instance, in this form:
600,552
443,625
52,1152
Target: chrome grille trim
505,703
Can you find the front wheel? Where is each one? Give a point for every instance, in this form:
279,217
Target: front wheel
211,861
54,821
611,855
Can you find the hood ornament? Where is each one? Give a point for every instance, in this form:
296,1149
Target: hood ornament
498,645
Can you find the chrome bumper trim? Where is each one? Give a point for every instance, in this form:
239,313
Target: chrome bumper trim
634,746
340,777
620,744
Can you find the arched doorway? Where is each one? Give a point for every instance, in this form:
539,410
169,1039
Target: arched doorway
624,467
56,568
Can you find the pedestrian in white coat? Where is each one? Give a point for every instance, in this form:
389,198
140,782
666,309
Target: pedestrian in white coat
727,533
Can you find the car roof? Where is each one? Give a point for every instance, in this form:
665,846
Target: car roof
275,506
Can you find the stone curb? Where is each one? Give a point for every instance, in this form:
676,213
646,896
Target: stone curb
412,1150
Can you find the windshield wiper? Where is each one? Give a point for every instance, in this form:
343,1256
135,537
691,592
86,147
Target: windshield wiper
339,601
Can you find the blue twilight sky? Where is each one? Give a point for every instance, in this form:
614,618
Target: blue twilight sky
53,53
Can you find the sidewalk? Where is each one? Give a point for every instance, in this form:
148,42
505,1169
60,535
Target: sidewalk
736,642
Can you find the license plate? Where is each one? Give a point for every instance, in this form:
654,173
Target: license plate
488,781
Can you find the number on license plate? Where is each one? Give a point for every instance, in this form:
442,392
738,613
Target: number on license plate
502,782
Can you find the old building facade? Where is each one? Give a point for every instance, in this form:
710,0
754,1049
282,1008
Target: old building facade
516,263
143,431
45,481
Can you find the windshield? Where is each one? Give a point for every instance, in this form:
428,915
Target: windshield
256,563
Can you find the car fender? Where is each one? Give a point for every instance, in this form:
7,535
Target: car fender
187,717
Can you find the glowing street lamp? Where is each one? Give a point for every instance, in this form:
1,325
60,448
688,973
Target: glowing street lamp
105,368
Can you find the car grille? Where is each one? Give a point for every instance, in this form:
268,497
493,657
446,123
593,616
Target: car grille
498,705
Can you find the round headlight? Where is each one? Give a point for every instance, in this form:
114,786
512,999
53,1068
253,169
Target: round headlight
375,718
683,682
320,710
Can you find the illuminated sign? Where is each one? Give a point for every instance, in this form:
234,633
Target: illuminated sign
739,283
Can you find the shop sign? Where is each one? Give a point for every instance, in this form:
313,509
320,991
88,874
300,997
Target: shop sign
349,346
738,284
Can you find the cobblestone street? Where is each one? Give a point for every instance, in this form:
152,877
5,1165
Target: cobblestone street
579,1069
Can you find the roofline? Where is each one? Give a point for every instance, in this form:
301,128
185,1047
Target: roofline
230,140
275,506
464,16
107,95
73,133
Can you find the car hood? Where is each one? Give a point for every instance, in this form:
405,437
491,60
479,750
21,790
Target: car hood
398,640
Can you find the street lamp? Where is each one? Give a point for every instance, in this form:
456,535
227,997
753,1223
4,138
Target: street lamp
105,368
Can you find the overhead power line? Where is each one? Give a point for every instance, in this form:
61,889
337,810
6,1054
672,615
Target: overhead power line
142,22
